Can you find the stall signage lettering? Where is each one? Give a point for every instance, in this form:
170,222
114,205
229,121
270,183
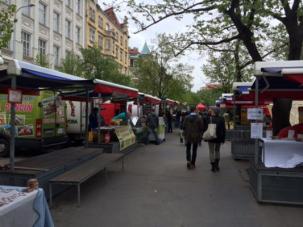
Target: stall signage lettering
28,108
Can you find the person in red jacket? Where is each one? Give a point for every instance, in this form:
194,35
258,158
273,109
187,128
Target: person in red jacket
284,132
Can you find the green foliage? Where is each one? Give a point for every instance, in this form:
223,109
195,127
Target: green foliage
72,64
159,74
42,60
6,24
209,96
266,28
97,66
228,67
93,65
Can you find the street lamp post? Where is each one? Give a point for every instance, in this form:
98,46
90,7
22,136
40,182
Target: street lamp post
13,106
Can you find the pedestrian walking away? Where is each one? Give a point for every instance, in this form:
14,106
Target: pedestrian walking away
152,123
214,143
169,119
193,128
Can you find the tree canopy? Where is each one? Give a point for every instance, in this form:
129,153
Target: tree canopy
6,24
94,65
255,23
161,74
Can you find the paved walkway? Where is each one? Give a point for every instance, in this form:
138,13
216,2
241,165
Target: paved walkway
156,190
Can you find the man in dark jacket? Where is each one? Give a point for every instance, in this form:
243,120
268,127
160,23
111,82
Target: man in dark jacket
215,144
152,123
193,129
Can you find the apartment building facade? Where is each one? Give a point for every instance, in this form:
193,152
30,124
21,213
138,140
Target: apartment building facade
52,28
103,29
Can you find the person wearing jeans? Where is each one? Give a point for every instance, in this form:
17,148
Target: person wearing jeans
193,128
215,144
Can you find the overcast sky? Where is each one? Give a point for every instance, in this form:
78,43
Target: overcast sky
168,26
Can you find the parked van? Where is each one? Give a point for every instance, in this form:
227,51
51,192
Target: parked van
40,122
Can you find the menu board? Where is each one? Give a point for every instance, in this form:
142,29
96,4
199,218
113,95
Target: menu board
125,136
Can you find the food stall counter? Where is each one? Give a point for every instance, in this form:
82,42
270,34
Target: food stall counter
115,138
281,153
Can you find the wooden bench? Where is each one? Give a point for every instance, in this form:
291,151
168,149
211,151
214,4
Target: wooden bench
83,172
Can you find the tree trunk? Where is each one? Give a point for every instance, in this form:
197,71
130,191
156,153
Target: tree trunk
280,114
281,108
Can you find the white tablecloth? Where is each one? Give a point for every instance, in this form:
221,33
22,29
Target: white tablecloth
282,153
18,208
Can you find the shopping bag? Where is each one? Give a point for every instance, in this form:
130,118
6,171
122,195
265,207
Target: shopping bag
90,136
210,133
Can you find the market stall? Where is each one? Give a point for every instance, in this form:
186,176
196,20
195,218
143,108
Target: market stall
276,175
116,134
242,146
19,77
18,207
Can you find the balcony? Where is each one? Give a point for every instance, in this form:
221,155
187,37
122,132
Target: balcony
111,34
7,52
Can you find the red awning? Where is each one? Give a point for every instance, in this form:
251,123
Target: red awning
170,102
295,77
24,91
109,90
151,100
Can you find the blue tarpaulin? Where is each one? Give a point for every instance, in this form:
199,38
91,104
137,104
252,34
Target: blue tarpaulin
35,77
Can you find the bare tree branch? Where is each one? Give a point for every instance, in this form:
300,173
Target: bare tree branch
206,43
263,56
190,9
295,5
286,7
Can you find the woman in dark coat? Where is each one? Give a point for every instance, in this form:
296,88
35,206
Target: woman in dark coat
193,129
215,144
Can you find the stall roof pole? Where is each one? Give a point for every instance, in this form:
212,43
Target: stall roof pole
257,103
86,118
12,128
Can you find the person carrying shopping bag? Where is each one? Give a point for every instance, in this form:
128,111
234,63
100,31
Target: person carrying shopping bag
193,129
215,135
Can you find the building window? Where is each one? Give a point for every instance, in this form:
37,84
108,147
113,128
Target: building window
56,22
121,55
56,55
78,34
42,13
107,44
68,3
107,27
68,29
42,47
92,35
26,43
92,14
78,7
100,22
26,10
100,42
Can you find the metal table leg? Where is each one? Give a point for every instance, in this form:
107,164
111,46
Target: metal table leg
79,192
50,195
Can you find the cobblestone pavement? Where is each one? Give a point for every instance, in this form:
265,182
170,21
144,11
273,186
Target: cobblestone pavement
156,190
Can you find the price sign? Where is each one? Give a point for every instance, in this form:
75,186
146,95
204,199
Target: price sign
254,114
14,96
